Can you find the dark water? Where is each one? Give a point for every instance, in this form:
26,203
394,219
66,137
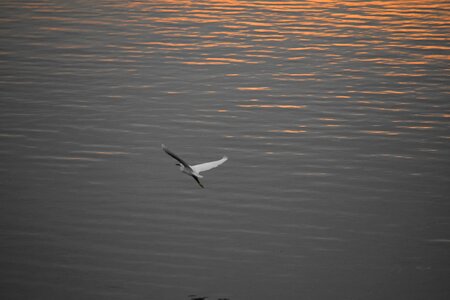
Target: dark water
334,116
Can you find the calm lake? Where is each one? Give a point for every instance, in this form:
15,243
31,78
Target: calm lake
335,117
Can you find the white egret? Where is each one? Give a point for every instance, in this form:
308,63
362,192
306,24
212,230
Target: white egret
195,170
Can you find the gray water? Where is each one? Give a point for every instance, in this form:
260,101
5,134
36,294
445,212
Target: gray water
334,116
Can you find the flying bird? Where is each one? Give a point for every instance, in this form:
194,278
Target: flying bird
195,170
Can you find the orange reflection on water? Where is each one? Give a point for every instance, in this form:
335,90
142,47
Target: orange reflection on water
438,56
332,125
297,74
388,109
290,131
381,132
345,24
296,58
417,127
307,48
228,60
385,92
166,44
403,74
254,88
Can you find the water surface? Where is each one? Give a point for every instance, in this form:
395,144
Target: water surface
334,116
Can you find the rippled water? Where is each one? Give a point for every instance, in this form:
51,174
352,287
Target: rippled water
334,114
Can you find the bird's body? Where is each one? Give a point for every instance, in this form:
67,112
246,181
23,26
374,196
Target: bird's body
195,170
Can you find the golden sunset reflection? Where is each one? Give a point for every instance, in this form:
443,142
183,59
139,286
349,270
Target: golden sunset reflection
227,14
369,56
332,125
386,109
385,92
417,127
289,131
254,88
403,75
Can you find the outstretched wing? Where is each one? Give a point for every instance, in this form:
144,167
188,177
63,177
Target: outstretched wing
198,181
175,156
209,165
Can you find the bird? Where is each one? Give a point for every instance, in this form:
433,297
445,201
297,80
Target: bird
195,170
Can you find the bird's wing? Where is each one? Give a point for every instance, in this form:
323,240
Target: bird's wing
209,165
198,181
175,156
